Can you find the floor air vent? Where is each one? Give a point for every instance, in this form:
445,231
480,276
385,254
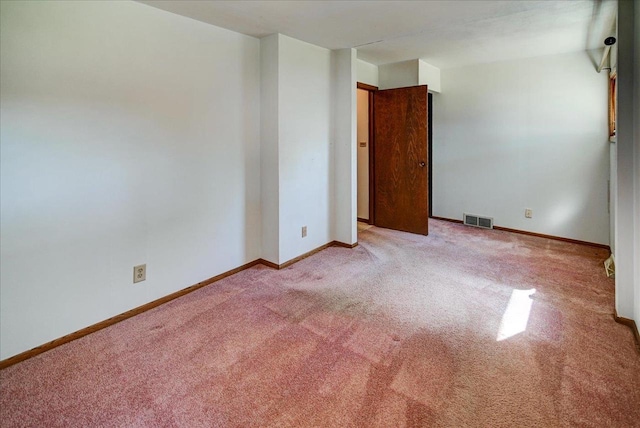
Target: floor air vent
478,221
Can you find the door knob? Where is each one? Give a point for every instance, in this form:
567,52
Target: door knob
421,164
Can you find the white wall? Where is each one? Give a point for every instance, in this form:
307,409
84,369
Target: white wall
613,195
304,122
409,73
367,73
308,147
270,137
525,134
398,74
627,211
430,76
128,135
344,107
363,154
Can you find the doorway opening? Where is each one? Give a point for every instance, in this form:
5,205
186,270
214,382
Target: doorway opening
402,190
365,142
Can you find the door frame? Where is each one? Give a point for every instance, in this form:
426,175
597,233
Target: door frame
370,89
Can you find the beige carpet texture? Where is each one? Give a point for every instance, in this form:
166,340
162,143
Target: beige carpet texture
461,328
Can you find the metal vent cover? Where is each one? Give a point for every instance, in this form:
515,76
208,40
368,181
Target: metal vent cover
477,221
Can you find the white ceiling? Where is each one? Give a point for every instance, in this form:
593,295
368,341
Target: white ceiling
443,33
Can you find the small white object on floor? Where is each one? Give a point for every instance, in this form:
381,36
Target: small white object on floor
610,267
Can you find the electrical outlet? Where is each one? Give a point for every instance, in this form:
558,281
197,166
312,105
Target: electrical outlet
528,213
304,231
139,273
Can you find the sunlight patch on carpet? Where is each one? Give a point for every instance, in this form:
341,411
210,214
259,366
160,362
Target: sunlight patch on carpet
516,316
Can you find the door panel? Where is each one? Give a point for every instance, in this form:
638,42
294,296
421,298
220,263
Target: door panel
401,159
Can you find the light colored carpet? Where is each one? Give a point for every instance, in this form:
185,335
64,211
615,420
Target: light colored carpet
462,328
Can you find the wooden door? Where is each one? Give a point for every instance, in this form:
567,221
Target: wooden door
401,177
